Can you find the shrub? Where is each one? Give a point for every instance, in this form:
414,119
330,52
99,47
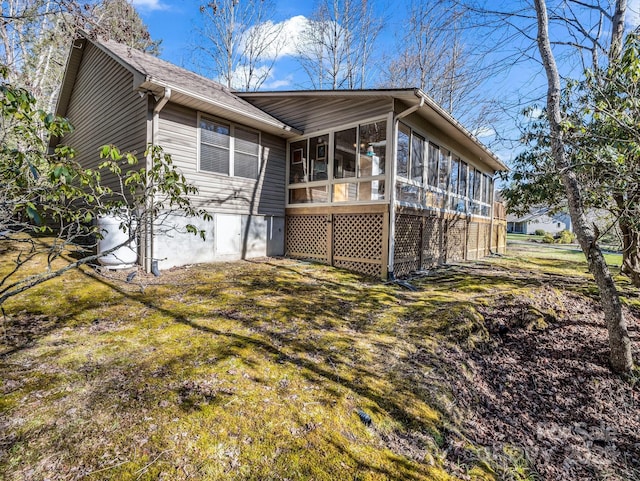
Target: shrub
540,232
565,237
548,239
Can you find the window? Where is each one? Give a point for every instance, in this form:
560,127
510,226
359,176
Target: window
215,141
318,152
463,179
410,154
229,149
373,145
477,185
404,134
443,172
432,171
358,156
455,174
417,157
345,154
298,168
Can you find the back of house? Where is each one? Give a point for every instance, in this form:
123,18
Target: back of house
382,182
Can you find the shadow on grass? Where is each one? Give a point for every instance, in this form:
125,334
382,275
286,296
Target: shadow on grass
428,348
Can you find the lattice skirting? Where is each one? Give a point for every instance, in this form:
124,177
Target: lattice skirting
473,231
499,241
353,241
423,241
307,237
358,242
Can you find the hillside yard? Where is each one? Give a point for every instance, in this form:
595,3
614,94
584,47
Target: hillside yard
284,370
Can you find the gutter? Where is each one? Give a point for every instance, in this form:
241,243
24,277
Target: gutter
149,241
461,128
392,193
273,122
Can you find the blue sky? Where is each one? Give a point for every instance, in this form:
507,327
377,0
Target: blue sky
175,22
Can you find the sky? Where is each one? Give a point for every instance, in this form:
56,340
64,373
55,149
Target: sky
175,22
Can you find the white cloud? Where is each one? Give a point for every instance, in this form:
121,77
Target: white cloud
150,5
288,39
276,84
484,132
633,14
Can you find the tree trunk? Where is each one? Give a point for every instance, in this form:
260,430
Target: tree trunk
631,255
630,245
619,342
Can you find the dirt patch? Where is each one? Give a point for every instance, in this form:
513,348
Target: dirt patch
542,384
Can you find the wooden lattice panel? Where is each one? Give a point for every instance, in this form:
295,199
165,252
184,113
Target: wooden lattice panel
408,234
499,241
307,236
483,240
374,270
358,237
456,235
432,242
357,242
472,241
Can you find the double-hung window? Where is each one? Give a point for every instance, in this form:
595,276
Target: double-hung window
229,149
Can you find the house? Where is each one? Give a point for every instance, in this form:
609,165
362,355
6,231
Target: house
539,218
382,182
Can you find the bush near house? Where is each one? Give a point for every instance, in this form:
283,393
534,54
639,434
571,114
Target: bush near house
540,232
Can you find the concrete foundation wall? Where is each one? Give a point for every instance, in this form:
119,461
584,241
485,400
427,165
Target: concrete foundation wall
227,237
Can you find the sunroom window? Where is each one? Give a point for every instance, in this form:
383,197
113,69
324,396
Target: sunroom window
344,154
402,154
343,166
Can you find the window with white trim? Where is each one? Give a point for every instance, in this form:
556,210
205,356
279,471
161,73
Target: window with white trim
229,149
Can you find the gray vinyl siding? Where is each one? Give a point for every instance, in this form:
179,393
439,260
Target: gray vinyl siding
104,109
178,135
311,114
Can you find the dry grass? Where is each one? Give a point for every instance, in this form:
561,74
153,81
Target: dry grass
249,370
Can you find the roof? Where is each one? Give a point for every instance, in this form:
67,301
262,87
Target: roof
416,99
155,75
531,215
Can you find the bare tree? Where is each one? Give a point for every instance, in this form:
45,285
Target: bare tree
583,35
240,41
335,48
619,342
35,36
119,21
432,54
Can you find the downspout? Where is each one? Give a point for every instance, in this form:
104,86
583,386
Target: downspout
148,261
392,193
491,225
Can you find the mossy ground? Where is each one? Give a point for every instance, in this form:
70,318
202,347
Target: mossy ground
248,370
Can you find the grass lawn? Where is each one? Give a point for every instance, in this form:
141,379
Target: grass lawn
274,369
562,252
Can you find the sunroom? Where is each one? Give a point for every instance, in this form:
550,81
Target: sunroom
365,151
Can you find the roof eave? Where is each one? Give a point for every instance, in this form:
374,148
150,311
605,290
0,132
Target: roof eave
492,159
271,125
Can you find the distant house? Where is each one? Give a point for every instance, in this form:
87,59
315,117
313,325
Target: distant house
539,218
383,182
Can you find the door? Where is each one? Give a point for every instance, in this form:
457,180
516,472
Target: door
228,235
